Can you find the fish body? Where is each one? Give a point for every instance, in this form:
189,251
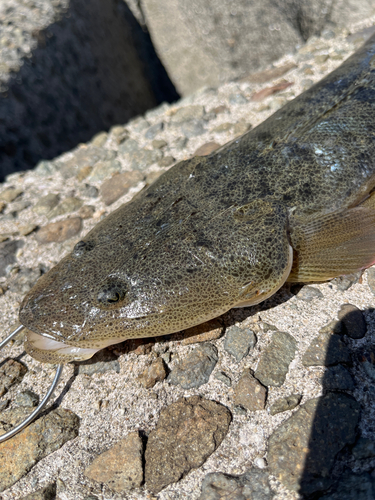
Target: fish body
291,200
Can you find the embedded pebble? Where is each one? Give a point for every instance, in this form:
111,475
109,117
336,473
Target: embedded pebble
115,187
343,283
11,372
67,206
269,74
275,360
104,169
207,149
8,250
10,194
42,437
285,404
128,147
193,128
195,369
27,398
326,350
143,158
187,113
82,156
154,130
237,99
59,231
238,341
90,191
309,293
159,143
298,454
250,393
99,139
156,372
167,161
186,434
27,229
120,467
252,485
337,378
223,378
86,211
353,321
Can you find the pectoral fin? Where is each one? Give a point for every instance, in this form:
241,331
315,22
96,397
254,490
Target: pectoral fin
334,244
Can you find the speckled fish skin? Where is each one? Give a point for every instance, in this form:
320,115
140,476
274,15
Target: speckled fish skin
216,232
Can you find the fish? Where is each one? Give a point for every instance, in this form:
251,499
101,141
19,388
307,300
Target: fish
292,200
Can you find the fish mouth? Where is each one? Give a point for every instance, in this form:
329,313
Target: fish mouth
47,350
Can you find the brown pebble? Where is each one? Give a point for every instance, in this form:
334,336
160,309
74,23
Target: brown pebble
250,393
207,149
27,229
115,187
120,467
262,94
158,143
269,74
86,212
58,232
10,194
84,172
219,109
156,372
167,161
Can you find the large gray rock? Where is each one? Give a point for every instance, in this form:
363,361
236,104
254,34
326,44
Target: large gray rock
207,42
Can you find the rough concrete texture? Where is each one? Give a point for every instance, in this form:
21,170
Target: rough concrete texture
210,42
111,403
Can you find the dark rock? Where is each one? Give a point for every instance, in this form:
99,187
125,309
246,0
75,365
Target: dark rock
196,368
303,449
326,350
187,433
274,362
27,398
46,203
207,149
338,378
250,393
156,372
238,341
309,293
364,448
39,439
120,467
252,485
284,404
46,493
223,378
8,250
59,231
11,372
352,486
115,187
345,282
353,321
102,362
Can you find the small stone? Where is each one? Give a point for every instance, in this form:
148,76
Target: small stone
285,404
8,250
193,128
159,143
307,83
46,204
195,369
156,372
326,350
309,293
130,146
67,206
241,128
46,493
115,187
364,448
223,378
84,172
103,361
260,462
237,98
45,168
180,143
371,279
262,94
143,158
210,330
353,321
207,149
223,127
2,206
238,341
250,393
24,280
104,169
343,283
90,191
167,161
59,231
82,156
120,467
154,130
187,113
11,372
219,109
42,437
120,133
27,398
320,59
139,124
252,485
27,229
274,362
337,378
303,449
187,433
10,194
86,211
269,74
99,139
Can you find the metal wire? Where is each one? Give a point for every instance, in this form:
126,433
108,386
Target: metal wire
41,405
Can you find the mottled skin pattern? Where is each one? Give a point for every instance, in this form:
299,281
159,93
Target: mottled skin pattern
217,232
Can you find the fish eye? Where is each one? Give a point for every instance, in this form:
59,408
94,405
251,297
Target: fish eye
112,293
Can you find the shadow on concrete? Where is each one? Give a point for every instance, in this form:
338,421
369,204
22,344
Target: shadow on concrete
93,67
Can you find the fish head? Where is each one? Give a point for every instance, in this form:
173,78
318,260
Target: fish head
116,286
